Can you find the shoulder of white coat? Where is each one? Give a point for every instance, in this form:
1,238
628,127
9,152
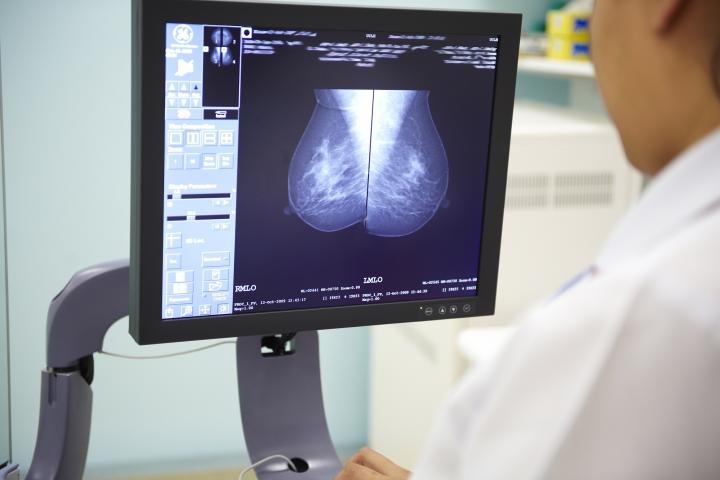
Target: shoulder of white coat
658,374
554,364
683,276
683,273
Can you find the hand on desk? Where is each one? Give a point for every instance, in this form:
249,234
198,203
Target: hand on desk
368,464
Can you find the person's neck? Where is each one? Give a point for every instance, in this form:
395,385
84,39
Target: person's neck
697,120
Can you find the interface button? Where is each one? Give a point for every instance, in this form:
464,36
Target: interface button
215,286
179,299
215,259
466,308
173,261
210,137
180,276
173,240
192,137
175,138
192,160
453,309
223,308
428,311
215,274
209,161
227,137
181,288
442,310
175,161
205,309
226,160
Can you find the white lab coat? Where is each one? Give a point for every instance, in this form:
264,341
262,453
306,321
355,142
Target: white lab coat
618,377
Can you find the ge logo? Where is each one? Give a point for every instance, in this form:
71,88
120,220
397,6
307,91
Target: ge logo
182,33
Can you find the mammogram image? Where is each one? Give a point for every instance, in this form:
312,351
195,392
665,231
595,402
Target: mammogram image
371,156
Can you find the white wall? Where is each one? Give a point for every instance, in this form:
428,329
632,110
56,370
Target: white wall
4,380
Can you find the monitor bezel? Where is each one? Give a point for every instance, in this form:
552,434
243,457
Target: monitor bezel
148,80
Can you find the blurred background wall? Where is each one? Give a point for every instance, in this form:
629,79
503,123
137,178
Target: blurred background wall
4,354
66,118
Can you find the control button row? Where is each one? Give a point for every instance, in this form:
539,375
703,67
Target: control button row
183,86
445,310
173,102
206,161
199,138
173,261
178,311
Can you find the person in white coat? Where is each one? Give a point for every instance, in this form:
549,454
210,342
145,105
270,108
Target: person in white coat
617,376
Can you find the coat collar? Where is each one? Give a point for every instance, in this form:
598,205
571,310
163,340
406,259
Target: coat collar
683,191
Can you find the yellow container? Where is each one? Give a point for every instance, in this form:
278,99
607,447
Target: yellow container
568,33
569,23
568,48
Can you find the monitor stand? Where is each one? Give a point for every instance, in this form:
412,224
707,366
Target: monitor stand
281,405
278,380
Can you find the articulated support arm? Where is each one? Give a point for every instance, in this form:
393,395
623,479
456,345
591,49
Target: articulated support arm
280,392
78,319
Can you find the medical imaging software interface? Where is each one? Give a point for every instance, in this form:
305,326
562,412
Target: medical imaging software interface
308,169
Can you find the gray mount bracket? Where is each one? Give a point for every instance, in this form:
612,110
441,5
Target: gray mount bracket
282,408
280,392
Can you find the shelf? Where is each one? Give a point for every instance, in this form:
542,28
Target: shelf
556,68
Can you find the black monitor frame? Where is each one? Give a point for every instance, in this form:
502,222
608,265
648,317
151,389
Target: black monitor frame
148,80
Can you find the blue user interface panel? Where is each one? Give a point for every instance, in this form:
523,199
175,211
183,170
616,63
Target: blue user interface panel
308,169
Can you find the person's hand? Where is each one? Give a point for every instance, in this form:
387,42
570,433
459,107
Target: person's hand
368,464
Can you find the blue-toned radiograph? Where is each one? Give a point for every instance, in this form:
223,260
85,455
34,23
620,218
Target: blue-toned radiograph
220,54
221,37
371,156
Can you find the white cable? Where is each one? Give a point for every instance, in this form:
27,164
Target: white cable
289,462
167,355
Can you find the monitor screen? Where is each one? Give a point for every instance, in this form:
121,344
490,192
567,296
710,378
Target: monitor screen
310,167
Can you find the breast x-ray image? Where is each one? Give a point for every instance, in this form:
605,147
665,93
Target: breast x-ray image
348,171
371,156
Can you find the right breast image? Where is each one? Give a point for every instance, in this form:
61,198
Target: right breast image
371,156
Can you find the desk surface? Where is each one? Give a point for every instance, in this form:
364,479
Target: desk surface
207,475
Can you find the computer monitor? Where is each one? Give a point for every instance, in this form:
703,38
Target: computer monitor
301,167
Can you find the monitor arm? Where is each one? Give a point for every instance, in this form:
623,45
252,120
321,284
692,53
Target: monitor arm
78,318
278,381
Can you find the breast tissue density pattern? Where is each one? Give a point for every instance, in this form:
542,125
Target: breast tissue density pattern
371,156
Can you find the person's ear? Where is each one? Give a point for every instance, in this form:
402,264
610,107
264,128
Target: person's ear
667,13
